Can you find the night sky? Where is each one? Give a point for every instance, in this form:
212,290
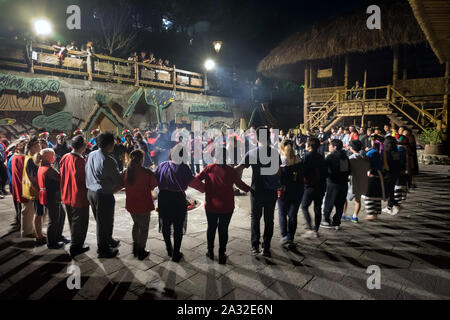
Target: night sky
248,28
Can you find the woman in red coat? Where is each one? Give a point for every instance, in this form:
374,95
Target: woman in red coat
139,183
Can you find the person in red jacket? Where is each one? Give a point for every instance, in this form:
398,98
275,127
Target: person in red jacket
50,197
27,212
74,194
139,183
219,201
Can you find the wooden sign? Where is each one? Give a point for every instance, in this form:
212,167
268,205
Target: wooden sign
196,82
163,75
70,62
122,70
325,73
183,80
147,74
103,67
47,58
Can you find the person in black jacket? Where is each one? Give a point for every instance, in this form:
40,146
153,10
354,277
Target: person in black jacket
337,184
290,193
314,168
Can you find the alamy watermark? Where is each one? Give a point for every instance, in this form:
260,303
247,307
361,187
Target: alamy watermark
374,280
374,20
74,20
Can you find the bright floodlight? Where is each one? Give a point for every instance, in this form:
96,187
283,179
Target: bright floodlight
217,45
42,27
210,64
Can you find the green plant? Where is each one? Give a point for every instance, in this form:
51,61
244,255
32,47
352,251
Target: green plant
431,136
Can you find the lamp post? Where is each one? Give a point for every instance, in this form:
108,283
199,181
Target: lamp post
42,28
209,66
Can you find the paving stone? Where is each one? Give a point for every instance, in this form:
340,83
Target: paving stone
207,286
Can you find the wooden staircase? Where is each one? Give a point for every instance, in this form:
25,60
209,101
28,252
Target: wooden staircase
384,100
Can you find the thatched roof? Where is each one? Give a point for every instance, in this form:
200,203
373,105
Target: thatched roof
346,34
434,19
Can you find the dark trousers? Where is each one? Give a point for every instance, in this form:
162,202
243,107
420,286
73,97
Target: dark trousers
3,177
197,167
172,210
103,209
287,216
141,223
78,221
18,207
219,221
56,219
335,196
311,194
262,203
391,180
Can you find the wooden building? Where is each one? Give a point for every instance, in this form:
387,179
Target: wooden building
400,78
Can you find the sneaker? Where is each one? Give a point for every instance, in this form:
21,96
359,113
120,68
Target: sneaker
395,210
77,251
41,241
267,254
56,246
326,225
284,241
143,254
337,228
354,219
345,218
292,246
309,234
64,240
108,254
387,211
222,258
177,257
2,196
255,251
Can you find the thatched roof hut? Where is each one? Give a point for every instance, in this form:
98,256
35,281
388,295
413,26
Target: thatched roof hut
347,34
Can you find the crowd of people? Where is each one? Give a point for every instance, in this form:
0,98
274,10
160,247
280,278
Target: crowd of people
66,180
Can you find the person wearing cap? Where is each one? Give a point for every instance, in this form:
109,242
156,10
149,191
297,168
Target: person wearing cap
95,134
61,147
74,194
125,132
44,135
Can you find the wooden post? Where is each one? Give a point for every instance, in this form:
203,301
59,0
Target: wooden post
305,101
346,73
89,66
363,104
445,105
174,78
405,74
310,76
205,83
136,73
395,66
242,124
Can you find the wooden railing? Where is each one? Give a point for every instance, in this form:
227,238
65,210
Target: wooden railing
39,58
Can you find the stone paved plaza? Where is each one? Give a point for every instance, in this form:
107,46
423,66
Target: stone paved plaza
412,250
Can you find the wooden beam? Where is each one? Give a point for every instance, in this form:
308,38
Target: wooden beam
395,66
305,100
346,72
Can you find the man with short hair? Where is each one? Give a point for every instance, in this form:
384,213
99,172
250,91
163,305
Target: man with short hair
74,194
337,184
315,172
387,128
264,186
102,181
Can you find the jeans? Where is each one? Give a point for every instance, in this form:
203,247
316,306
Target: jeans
78,221
262,202
287,216
219,221
313,193
172,209
335,197
103,209
140,229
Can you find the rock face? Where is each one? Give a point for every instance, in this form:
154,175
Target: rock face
428,159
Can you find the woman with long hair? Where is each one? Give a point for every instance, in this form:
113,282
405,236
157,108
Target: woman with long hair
291,192
139,183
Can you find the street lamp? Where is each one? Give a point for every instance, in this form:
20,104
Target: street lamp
217,45
42,27
209,64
